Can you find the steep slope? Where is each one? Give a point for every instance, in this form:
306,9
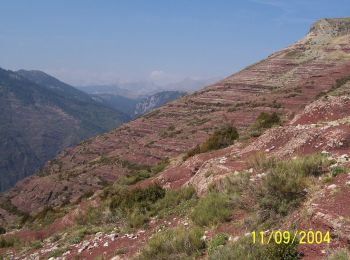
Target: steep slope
285,82
41,116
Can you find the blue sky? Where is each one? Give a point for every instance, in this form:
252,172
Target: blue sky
89,42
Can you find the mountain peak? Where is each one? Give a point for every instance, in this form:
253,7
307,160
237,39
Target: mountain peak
333,27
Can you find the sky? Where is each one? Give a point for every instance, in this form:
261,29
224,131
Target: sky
87,42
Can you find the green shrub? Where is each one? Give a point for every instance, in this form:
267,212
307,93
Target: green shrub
143,174
36,245
176,243
141,198
91,216
2,230
338,170
212,209
340,254
136,204
264,120
260,161
245,249
8,241
175,201
267,120
137,218
217,241
285,185
221,138
57,253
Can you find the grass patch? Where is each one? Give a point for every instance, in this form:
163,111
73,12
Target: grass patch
8,242
338,170
340,254
138,205
212,209
245,249
216,242
285,185
176,243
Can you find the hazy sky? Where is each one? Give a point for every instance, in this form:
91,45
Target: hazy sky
86,42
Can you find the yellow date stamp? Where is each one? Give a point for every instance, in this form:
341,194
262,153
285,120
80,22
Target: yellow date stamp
289,237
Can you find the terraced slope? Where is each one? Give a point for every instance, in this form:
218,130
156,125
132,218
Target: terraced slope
284,82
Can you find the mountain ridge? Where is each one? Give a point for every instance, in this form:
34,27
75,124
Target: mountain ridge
41,120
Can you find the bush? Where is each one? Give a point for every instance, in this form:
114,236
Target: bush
91,216
143,174
176,243
212,209
337,170
140,198
245,249
285,185
136,204
175,201
2,230
216,242
267,120
264,120
221,138
8,241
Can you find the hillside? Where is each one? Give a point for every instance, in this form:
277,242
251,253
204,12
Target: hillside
40,117
287,170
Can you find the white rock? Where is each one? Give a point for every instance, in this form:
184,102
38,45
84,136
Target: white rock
235,238
105,244
332,187
98,234
84,245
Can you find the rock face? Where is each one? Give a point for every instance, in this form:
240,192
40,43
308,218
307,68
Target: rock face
39,117
135,107
154,101
284,82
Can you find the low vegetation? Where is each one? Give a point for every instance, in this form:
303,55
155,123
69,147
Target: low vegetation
264,121
285,185
147,172
138,205
340,254
245,249
217,242
212,209
221,138
177,243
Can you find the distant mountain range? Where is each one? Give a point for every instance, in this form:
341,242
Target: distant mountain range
40,116
139,89
135,107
